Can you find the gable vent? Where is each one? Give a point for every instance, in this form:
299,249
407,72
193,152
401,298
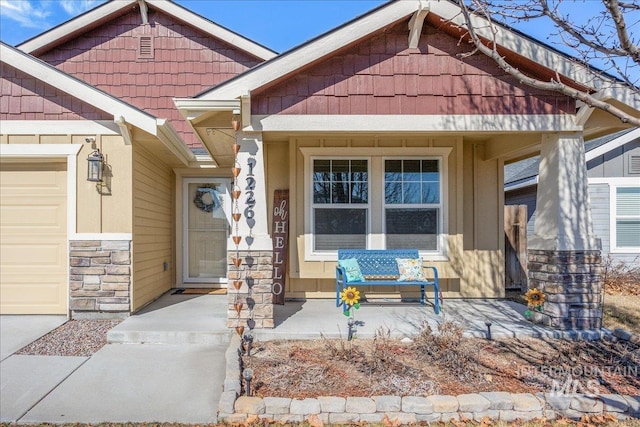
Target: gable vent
145,47
634,164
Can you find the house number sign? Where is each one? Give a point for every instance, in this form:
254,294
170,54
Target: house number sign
280,234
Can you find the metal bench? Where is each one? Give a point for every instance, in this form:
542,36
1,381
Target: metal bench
379,267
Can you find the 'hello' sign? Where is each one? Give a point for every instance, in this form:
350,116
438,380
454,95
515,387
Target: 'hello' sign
280,235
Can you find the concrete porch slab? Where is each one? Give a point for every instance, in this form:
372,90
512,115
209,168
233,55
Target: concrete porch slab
176,319
312,319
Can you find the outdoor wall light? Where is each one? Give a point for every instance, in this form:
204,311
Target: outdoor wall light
95,162
247,374
95,166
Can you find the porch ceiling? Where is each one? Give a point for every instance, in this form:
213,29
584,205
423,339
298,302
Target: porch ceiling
217,135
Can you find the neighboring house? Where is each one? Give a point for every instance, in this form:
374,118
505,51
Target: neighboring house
386,131
613,171
71,245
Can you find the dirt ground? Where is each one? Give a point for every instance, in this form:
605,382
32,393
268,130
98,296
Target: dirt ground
443,363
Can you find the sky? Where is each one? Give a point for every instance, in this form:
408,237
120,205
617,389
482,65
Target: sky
276,24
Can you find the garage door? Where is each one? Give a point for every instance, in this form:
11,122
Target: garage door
33,238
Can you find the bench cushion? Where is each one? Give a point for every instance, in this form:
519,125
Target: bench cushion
410,270
352,270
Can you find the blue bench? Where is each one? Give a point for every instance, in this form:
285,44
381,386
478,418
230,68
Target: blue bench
379,267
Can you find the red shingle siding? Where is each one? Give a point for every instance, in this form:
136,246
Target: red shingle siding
382,75
22,97
185,62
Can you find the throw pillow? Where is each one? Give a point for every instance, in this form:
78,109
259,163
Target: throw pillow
352,270
410,270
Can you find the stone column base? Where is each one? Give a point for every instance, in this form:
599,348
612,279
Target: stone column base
250,305
571,281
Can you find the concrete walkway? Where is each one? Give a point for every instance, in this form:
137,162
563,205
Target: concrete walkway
179,380
166,364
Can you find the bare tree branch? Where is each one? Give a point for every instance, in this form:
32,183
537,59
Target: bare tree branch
556,85
625,42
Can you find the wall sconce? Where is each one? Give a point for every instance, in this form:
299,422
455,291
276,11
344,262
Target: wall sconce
95,164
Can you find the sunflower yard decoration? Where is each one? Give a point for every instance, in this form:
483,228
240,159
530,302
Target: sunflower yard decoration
351,298
535,301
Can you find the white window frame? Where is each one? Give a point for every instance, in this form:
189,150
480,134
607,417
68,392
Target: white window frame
366,206
613,217
359,153
439,206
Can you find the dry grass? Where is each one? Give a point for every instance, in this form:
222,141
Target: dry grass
439,363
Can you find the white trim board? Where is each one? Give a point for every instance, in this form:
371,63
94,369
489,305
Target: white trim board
101,236
105,11
58,127
614,184
613,144
413,123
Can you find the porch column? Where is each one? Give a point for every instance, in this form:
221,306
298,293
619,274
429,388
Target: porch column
250,264
564,254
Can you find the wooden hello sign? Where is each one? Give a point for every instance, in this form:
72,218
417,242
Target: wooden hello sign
280,237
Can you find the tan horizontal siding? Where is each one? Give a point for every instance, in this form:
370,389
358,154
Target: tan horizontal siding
153,227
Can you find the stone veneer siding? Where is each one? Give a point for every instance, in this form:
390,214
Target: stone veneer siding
411,409
255,273
571,281
99,277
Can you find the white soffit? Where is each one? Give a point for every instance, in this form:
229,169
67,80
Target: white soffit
310,52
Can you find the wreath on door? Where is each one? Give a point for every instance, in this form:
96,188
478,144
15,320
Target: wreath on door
203,205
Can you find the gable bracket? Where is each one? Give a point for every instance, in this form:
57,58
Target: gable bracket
415,24
143,11
124,129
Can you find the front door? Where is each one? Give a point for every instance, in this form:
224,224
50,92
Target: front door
206,222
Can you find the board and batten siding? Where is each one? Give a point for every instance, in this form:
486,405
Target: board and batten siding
616,163
153,227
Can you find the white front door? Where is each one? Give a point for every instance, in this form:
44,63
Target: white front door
206,210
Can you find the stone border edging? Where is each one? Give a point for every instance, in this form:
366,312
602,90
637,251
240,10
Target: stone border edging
411,409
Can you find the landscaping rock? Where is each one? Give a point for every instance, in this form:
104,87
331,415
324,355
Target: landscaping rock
448,416
472,403
372,418
401,417
498,399
418,405
493,414
427,418
227,401
344,418
332,403
304,407
587,404
614,403
634,405
526,402
277,405
362,405
443,403
249,405
557,401
288,418
520,415
388,403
